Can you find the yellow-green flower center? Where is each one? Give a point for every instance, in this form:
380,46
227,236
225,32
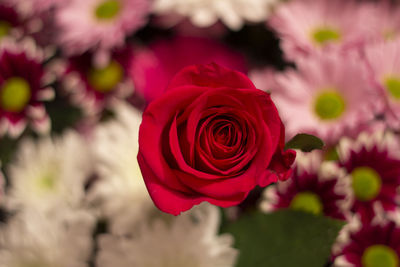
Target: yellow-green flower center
329,105
106,79
15,94
389,34
308,202
47,182
380,256
366,183
331,154
324,35
31,263
108,9
4,28
392,84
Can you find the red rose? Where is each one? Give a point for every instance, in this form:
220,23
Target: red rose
212,136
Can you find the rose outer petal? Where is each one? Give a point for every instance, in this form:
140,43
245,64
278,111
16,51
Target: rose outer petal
155,119
210,75
166,199
174,202
228,188
280,165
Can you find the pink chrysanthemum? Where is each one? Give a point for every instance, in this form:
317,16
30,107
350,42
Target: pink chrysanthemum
264,79
314,188
329,96
305,26
94,88
99,24
22,88
372,163
384,60
384,21
375,244
153,68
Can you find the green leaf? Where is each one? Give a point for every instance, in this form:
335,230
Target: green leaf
62,114
284,238
305,142
8,146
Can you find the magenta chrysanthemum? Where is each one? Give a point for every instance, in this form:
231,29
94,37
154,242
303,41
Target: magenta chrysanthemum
305,26
94,88
10,21
374,244
372,163
17,24
22,88
153,68
314,188
99,24
323,96
385,64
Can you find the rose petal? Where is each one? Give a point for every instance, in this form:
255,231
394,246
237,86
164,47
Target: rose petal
166,199
175,202
228,188
280,165
210,75
155,118
199,109
176,152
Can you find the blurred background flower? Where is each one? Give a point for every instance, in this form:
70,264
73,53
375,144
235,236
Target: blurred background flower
75,77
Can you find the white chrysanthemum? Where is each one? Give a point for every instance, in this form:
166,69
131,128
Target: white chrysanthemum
30,239
120,191
204,13
188,240
49,174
